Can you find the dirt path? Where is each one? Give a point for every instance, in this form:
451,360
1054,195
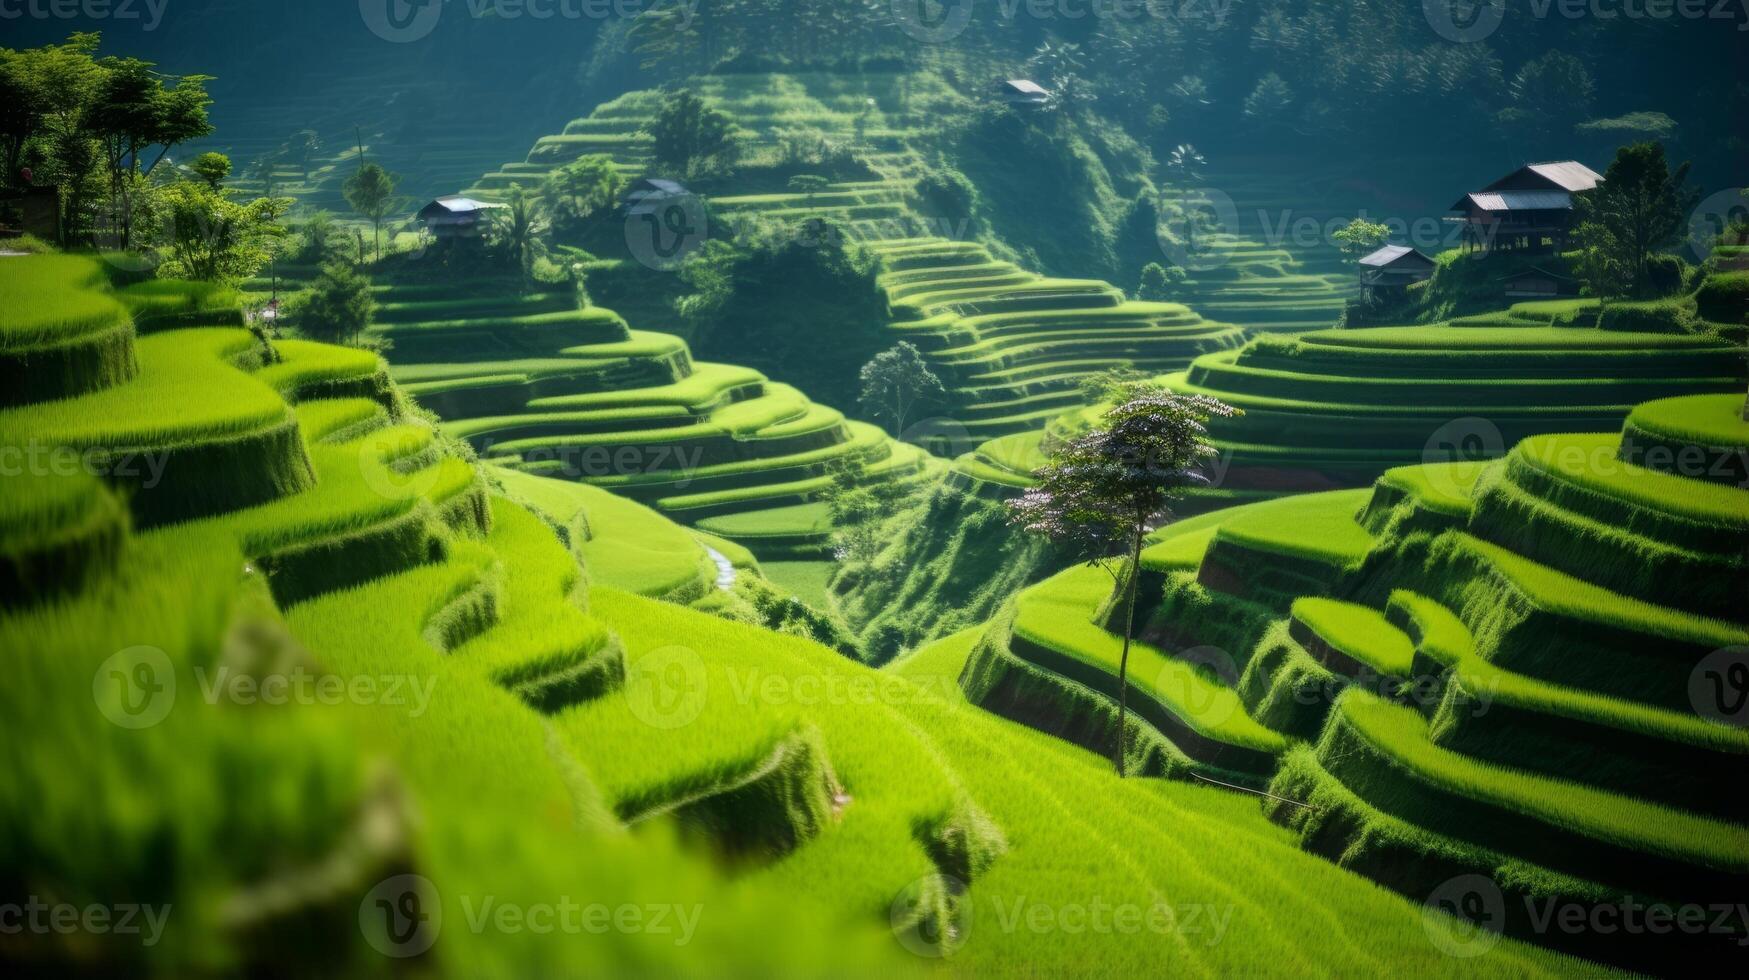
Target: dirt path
726,571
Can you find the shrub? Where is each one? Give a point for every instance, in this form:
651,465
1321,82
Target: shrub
339,306
945,194
1658,316
1665,274
1724,299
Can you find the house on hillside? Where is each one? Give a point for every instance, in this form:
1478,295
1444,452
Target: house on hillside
1528,210
455,216
1022,92
1392,269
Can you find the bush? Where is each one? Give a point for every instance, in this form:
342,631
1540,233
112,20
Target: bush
1665,274
945,194
1657,316
1724,298
339,306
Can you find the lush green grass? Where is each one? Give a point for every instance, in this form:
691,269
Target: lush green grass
1716,420
1358,632
51,298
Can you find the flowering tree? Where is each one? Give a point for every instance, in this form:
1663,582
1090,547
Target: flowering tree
1102,492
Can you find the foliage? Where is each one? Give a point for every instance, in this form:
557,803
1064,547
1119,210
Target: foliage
1114,384
315,238
212,238
1640,207
519,231
371,192
339,306
574,195
692,138
211,167
1158,282
1102,491
895,382
1550,94
946,194
1270,100
1360,237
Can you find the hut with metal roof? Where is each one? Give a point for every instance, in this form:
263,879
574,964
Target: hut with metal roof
455,216
1394,268
1529,209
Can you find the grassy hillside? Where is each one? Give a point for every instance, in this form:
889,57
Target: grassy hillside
317,664
1473,668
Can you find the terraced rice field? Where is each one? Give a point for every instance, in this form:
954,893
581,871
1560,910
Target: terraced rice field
1010,344
1489,668
537,385
515,707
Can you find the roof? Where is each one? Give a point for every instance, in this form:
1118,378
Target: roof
1022,86
455,204
647,185
1568,175
1518,201
1391,253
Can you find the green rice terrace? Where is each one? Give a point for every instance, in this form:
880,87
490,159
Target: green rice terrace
872,492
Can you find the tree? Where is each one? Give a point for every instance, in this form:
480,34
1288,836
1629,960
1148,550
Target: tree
895,381
1360,238
1157,282
317,238
1269,101
339,306
808,184
212,168
1113,384
1640,207
1549,95
691,137
1102,492
577,192
371,192
215,239
519,229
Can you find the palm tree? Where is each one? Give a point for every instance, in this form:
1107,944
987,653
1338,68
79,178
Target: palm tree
520,231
